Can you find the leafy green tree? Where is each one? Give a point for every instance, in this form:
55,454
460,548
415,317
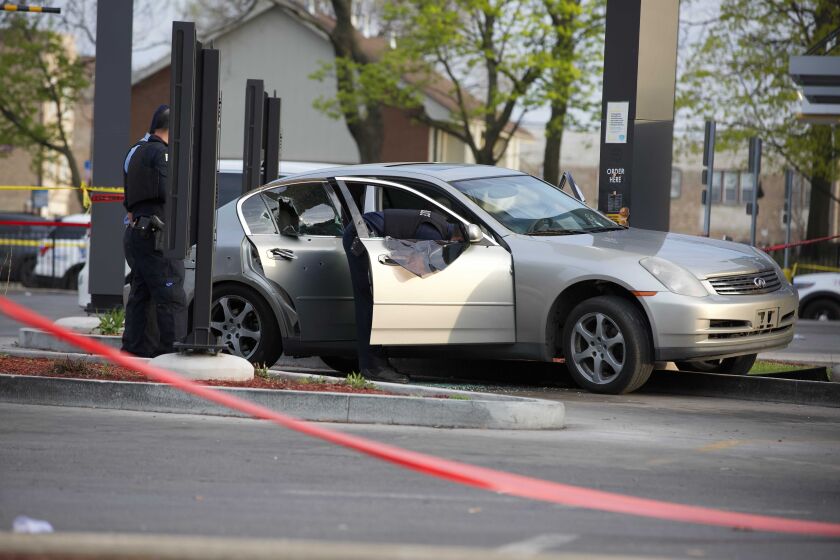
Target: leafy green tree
492,52
40,81
574,67
738,74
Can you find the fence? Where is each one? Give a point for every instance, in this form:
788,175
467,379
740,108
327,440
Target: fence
40,253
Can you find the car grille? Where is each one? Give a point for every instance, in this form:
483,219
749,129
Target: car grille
746,284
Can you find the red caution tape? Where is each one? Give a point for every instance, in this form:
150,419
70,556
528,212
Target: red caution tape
461,473
772,248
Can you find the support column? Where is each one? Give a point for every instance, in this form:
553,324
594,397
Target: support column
111,124
637,116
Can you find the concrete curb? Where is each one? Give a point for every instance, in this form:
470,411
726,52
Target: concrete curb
92,546
36,339
480,411
745,387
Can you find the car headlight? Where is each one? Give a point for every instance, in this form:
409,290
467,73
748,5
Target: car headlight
802,285
769,260
674,277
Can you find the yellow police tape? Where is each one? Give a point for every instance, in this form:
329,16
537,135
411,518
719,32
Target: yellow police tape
817,267
40,243
84,188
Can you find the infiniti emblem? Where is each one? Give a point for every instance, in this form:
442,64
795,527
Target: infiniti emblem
760,282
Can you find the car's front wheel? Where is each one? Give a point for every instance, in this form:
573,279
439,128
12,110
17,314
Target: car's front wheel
606,345
245,324
739,365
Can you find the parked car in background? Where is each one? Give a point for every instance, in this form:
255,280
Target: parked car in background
61,255
19,245
819,296
544,278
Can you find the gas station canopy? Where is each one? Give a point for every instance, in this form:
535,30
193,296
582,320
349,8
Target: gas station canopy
819,78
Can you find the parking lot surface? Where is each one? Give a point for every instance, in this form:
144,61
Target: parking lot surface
97,470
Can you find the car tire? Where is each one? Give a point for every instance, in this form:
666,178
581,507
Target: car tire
341,364
739,365
606,345
244,323
71,278
821,309
26,272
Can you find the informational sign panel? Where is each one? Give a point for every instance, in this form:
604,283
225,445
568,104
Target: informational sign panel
617,112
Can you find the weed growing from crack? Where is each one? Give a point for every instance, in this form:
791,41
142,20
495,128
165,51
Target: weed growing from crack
357,381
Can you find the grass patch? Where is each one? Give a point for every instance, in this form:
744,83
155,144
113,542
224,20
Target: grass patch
261,370
763,367
70,366
357,381
457,397
112,322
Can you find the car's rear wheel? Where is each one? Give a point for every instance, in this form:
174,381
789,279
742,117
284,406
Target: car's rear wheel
245,324
606,345
739,365
822,309
71,278
26,272
341,364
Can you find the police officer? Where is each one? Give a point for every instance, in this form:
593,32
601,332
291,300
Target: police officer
154,277
399,224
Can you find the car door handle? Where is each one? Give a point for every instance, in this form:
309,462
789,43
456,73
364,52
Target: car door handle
387,261
277,253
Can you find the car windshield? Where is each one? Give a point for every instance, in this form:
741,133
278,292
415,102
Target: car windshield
527,205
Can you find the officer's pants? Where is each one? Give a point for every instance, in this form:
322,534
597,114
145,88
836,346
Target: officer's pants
160,280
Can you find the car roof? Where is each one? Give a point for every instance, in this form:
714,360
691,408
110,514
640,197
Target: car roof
447,172
286,167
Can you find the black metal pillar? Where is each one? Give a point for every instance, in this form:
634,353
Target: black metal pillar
273,140
252,144
191,201
640,61
111,124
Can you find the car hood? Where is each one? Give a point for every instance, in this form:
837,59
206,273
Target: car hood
701,256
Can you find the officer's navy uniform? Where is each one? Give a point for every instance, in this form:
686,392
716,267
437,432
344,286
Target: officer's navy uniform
154,277
399,224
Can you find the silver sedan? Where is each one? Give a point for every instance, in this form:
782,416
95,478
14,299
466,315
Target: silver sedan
544,278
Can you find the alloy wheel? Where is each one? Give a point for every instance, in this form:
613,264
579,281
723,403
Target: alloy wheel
237,324
598,348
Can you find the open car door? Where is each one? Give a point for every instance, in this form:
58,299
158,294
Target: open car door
468,302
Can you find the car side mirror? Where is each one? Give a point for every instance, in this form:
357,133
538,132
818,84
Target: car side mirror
290,231
474,233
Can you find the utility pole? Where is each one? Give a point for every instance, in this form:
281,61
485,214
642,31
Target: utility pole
708,175
755,168
787,216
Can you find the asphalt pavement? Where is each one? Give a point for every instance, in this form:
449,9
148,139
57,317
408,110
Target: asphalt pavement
105,470
54,304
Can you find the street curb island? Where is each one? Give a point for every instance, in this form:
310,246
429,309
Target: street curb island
415,406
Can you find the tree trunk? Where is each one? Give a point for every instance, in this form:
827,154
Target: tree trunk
554,141
75,176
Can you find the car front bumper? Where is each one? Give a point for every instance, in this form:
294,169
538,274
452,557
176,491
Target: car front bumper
713,327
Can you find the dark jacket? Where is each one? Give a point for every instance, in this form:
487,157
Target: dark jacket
146,178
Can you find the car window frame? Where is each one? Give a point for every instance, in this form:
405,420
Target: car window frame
323,183
486,239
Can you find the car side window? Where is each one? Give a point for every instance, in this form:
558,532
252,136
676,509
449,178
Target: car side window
393,197
304,207
257,215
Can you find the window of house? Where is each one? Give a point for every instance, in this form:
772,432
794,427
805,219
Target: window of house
716,184
747,184
730,187
676,182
